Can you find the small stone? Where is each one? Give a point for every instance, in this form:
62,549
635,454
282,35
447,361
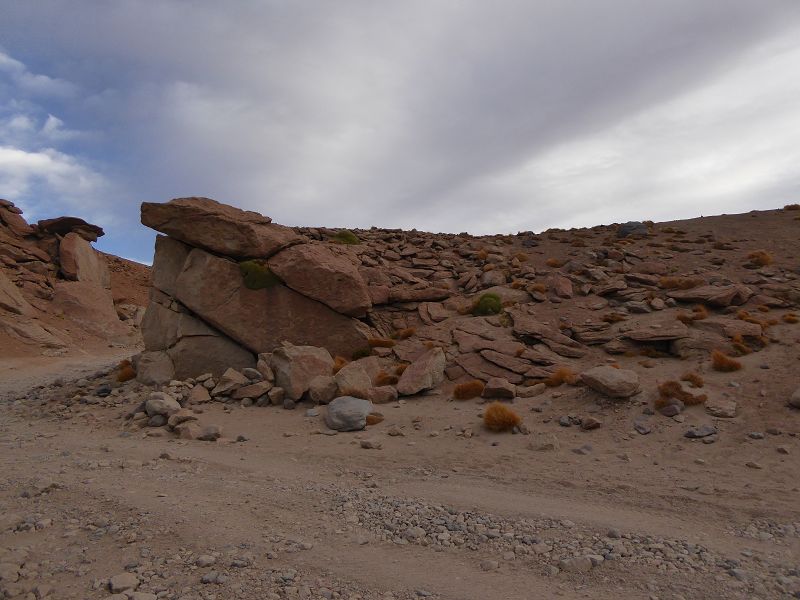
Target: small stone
205,560
371,444
589,423
489,565
782,450
642,428
700,432
753,465
578,564
210,433
123,582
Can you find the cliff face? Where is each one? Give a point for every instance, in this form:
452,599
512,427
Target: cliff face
55,288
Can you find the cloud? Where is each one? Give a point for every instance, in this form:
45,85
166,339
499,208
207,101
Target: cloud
34,84
446,116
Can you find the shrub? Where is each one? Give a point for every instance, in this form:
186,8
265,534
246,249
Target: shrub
338,363
699,312
792,207
521,256
374,418
257,275
470,389
679,283
400,369
481,254
673,389
487,304
404,334
125,371
724,363
345,236
383,378
762,258
555,262
561,375
693,379
380,343
739,345
537,287
790,318
499,417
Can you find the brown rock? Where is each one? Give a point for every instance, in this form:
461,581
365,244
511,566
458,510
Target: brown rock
316,272
226,230
260,320
154,368
322,389
64,225
91,306
722,295
15,222
295,367
382,394
480,368
353,380
254,390
423,374
168,260
198,395
721,407
11,298
497,387
429,294
80,262
615,383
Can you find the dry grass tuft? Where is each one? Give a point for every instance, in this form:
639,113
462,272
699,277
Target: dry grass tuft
561,375
741,347
679,283
400,369
763,308
537,287
693,379
383,378
674,389
790,318
521,256
468,390
381,343
338,363
724,363
498,417
517,284
404,334
125,371
762,258
555,262
481,254
699,312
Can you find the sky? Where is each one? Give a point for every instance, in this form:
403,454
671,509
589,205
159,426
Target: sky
440,115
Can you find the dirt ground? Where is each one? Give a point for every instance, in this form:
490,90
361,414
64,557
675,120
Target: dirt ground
290,512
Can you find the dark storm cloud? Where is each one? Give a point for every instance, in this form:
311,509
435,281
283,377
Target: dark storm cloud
437,115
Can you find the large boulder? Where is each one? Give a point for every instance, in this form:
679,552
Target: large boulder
80,262
168,260
315,271
154,368
64,225
615,383
296,366
353,380
91,306
11,298
423,374
220,228
193,346
348,414
213,288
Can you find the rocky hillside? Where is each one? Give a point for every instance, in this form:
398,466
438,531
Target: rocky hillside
57,293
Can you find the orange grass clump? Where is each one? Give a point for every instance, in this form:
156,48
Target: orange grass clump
724,363
404,334
468,390
383,378
673,389
762,258
614,317
481,255
126,371
738,343
400,369
338,363
561,375
679,283
498,417
380,343
790,318
555,262
693,379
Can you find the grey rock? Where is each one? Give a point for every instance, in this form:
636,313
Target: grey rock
161,403
701,431
347,413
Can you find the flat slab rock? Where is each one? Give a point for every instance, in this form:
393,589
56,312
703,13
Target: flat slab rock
615,383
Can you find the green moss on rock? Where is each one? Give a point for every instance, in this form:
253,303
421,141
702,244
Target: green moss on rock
488,304
257,275
345,236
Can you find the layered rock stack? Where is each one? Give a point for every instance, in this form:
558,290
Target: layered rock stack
51,268
229,284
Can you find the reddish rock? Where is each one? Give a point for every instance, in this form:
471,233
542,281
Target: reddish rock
295,367
80,262
429,294
423,374
14,221
316,272
353,380
11,299
64,225
497,387
168,260
226,230
91,306
260,320
615,383
722,295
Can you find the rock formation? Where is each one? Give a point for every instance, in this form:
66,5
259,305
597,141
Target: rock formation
50,269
